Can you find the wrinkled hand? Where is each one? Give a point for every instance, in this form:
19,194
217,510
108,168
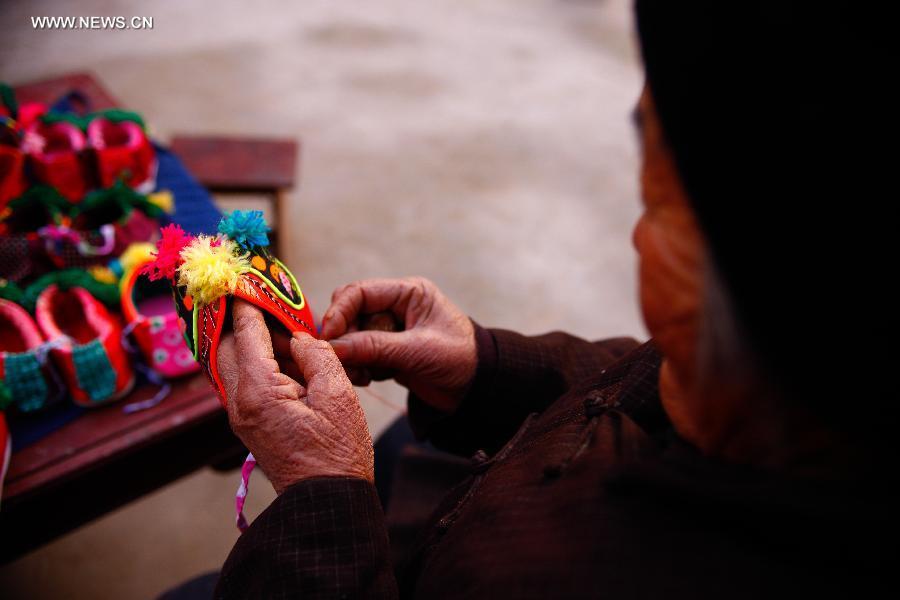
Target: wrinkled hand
434,354
296,429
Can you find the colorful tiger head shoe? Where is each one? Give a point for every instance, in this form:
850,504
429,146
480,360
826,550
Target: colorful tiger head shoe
207,272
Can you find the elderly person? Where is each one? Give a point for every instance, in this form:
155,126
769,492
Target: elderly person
734,455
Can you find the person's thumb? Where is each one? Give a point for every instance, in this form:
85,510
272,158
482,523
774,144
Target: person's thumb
374,349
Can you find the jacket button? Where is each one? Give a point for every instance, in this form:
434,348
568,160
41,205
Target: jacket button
479,462
595,403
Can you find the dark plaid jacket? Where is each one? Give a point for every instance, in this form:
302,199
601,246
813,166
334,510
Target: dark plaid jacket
578,488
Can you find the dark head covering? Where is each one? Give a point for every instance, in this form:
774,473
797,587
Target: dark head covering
777,115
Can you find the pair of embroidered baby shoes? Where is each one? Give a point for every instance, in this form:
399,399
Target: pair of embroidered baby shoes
72,335
207,272
77,154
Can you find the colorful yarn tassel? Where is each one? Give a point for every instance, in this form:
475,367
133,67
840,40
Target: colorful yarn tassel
172,241
210,268
246,227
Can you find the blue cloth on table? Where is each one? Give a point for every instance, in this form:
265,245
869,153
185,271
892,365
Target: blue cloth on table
194,208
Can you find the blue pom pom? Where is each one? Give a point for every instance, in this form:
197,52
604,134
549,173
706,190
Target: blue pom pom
246,227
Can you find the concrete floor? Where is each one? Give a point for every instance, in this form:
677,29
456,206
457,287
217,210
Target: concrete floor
484,144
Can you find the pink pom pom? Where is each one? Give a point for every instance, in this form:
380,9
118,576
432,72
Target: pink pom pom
168,253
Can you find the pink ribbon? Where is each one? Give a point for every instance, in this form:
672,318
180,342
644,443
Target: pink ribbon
59,233
241,496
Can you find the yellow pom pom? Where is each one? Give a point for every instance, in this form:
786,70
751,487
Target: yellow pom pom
136,254
102,274
211,268
164,200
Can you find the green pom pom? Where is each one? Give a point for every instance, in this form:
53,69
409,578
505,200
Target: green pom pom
107,293
10,291
42,196
119,197
81,121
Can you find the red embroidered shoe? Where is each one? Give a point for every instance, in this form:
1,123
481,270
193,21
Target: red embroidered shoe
159,332
55,153
207,272
123,153
88,345
24,370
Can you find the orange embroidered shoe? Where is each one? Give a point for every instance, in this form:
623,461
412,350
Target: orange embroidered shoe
207,272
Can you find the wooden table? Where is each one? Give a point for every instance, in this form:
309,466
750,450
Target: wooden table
106,458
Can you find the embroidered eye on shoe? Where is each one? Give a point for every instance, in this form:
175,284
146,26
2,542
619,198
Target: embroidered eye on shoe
206,272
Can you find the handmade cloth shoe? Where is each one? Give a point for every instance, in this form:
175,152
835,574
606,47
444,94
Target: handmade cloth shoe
88,345
153,320
207,272
123,152
25,373
101,227
55,153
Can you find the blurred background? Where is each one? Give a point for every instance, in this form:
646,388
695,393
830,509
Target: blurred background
485,144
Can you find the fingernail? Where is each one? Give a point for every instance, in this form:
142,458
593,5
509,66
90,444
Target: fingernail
341,347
